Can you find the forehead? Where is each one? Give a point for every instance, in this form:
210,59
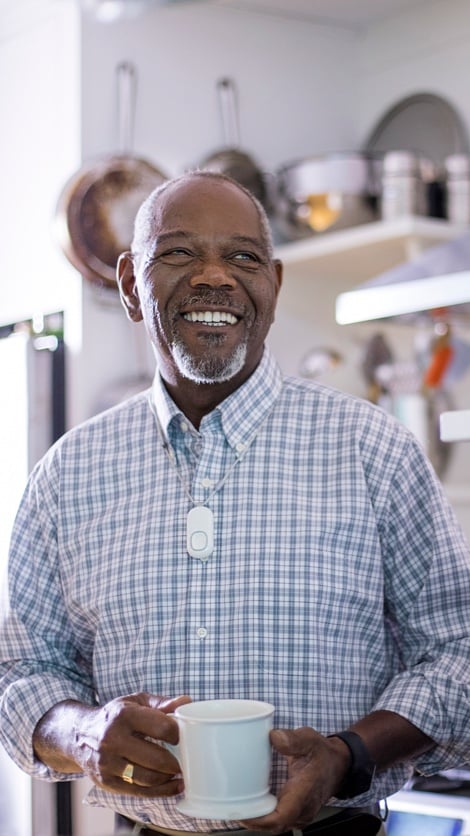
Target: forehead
204,206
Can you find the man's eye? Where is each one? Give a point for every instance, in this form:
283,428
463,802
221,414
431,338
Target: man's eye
176,255
177,251
245,256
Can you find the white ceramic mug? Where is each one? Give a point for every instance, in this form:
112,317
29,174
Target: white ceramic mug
225,757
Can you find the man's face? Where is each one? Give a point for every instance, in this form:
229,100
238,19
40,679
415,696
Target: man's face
207,289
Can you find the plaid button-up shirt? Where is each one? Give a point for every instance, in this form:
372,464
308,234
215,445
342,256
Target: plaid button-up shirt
339,581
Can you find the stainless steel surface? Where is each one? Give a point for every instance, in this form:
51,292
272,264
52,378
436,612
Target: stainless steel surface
403,191
457,168
325,193
425,124
230,159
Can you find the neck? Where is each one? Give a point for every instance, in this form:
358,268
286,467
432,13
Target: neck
198,399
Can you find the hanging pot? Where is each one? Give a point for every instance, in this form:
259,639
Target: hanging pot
324,193
96,209
230,159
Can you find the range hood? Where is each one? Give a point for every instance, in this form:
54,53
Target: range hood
437,279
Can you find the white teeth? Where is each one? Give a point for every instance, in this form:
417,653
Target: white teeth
211,317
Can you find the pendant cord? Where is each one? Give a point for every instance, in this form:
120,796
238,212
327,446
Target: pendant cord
171,458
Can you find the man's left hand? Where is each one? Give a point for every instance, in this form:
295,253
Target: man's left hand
316,768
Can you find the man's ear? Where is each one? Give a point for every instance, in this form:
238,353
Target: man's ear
279,272
277,279
127,285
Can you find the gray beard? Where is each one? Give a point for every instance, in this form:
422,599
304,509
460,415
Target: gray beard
210,369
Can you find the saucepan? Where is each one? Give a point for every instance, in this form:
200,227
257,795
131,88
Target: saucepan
96,209
325,193
230,159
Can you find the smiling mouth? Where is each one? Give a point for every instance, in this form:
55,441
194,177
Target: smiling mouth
214,318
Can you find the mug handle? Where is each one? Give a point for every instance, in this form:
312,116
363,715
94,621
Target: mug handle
174,748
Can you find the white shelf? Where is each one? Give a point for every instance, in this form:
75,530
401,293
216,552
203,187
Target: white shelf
455,425
364,251
403,298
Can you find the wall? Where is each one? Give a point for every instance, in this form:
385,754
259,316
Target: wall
294,99
40,145
423,50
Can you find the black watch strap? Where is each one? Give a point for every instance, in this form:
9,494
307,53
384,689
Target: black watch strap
362,769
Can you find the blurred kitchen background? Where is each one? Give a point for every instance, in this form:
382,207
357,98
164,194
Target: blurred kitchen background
351,121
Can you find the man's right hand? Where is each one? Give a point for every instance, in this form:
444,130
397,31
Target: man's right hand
102,742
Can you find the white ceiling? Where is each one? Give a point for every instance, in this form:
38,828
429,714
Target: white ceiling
354,14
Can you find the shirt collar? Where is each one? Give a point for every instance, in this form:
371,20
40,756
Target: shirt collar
241,414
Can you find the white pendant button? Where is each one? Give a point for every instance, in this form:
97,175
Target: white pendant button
200,532
198,541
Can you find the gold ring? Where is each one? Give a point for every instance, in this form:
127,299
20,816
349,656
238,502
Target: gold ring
128,774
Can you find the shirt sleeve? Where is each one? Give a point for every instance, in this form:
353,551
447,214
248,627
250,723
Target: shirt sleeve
427,602
40,663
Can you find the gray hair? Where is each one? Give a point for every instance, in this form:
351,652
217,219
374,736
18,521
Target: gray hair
147,215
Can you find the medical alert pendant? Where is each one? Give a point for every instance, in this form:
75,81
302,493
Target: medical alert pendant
200,532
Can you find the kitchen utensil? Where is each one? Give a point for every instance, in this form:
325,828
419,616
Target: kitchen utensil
457,192
421,414
417,408
231,160
423,123
403,191
441,359
377,353
318,361
96,209
325,193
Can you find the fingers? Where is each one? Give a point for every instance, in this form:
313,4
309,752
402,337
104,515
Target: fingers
145,782
309,782
295,742
151,755
126,733
168,704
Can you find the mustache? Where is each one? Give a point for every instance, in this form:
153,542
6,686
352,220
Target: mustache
211,297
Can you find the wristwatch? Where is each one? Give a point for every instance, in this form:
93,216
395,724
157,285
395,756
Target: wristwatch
362,768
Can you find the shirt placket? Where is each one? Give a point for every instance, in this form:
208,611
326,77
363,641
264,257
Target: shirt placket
210,462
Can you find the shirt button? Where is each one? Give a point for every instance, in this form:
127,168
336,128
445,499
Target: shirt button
240,447
201,632
207,483
184,427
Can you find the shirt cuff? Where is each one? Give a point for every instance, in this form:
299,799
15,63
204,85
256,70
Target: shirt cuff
416,698
23,704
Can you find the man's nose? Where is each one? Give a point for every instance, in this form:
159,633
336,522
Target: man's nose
213,274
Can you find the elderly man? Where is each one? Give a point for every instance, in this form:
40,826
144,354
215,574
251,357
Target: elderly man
334,583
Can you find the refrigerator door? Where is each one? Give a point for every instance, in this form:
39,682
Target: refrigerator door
31,417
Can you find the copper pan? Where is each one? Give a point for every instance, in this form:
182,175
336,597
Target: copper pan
97,206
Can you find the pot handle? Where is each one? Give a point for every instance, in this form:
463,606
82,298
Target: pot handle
126,100
228,112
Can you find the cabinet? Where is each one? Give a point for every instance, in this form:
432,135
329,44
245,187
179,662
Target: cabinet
318,269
